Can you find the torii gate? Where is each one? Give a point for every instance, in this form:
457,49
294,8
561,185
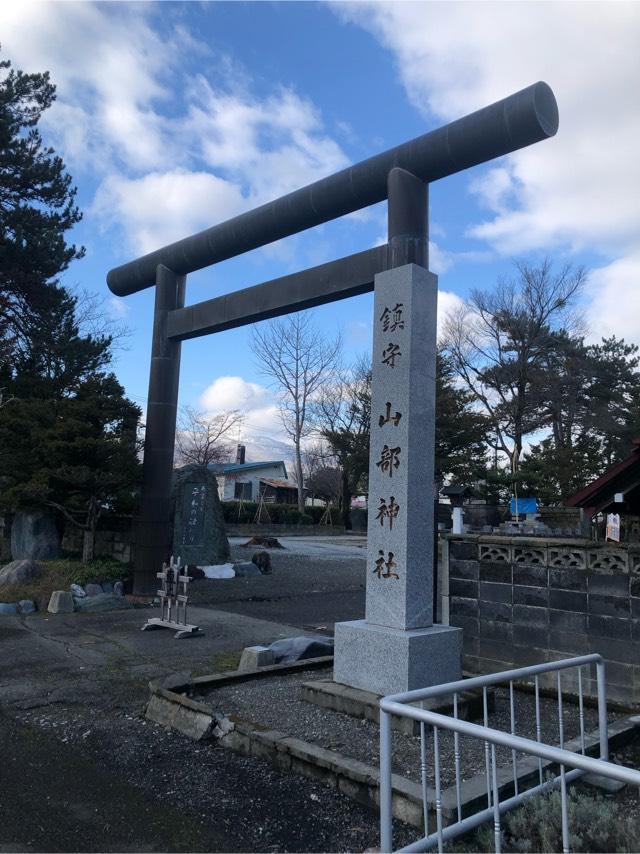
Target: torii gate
400,537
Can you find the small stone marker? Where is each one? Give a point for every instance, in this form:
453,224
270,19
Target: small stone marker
61,602
199,534
254,657
397,647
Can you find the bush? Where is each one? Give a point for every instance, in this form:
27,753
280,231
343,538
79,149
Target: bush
280,514
596,824
100,569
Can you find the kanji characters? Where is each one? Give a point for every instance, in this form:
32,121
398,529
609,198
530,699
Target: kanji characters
384,419
389,460
389,564
390,354
392,318
388,511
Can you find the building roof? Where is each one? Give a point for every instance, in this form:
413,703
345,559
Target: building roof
239,468
621,477
278,484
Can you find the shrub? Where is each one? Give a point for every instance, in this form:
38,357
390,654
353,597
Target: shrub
596,824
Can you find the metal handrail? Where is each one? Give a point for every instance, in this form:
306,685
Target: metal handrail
579,762
491,679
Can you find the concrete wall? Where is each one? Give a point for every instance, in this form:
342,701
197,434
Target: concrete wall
524,601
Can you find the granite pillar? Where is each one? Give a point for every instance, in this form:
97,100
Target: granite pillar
397,647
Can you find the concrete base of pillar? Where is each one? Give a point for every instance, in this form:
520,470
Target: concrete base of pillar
389,661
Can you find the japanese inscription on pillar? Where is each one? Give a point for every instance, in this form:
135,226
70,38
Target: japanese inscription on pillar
391,320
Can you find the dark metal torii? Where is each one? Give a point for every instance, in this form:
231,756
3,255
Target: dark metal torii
401,175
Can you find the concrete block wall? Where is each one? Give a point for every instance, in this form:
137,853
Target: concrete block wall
525,601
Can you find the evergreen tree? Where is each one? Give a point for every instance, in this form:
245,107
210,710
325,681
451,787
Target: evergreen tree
67,432
461,430
37,203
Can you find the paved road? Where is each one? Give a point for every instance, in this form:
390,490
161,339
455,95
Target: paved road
81,768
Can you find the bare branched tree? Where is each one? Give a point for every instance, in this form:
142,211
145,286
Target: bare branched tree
203,438
298,360
498,342
342,416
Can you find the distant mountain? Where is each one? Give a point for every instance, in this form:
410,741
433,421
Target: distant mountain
261,447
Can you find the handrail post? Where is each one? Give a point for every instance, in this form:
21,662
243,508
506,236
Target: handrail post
386,793
602,710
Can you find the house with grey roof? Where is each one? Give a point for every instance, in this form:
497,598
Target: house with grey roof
246,481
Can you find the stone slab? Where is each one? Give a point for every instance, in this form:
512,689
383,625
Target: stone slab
254,657
34,536
61,602
199,535
390,661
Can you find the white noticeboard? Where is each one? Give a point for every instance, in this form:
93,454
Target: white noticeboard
613,527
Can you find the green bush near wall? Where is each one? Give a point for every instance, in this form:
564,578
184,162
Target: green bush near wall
280,514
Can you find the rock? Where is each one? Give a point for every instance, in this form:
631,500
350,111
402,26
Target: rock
61,602
102,602
27,606
219,571
93,589
263,561
297,649
19,572
246,570
34,536
8,608
118,588
254,657
107,587
78,591
195,572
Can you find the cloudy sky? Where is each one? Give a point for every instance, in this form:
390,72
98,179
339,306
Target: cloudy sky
174,116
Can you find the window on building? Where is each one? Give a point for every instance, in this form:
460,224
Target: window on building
242,491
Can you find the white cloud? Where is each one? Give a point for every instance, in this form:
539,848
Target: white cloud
165,206
234,393
128,112
447,302
110,70
614,307
576,192
257,403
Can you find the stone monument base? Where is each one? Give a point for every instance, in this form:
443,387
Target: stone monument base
389,661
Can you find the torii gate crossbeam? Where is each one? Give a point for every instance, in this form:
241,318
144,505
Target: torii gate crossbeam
400,175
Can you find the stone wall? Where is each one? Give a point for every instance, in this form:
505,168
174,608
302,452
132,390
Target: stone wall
114,538
525,601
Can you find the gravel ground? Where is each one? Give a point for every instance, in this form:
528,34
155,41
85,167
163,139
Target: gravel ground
276,702
217,799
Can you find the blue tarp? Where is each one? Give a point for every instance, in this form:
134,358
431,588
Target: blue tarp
525,505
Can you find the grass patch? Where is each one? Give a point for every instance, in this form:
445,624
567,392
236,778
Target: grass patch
59,574
222,662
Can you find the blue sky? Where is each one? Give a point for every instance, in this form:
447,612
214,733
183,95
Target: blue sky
174,116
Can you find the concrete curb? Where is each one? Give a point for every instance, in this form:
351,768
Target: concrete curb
353,778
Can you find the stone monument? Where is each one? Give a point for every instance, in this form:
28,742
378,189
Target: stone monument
396,647
199,535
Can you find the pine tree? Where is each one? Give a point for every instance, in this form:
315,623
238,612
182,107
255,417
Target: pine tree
37,203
